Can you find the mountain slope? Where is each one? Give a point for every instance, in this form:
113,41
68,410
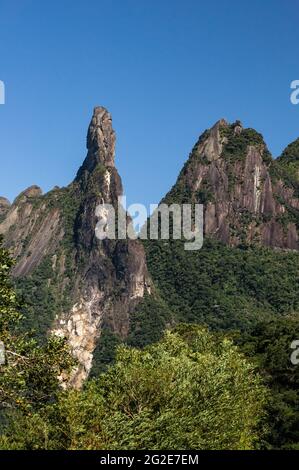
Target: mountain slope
72,282
289,161
99,293
247,197
248,268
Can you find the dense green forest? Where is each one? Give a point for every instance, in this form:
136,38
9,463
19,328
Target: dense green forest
250,293
197,386
224,287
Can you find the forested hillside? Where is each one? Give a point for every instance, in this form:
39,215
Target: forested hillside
155,346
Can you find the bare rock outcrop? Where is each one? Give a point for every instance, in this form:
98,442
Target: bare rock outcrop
4,206
93,283
247,195
78,285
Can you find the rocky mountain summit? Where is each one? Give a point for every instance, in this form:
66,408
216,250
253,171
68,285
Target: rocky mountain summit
248,196
75,283
81,287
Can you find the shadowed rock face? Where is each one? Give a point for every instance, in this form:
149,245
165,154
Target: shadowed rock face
100,142
248,197
89,284
102,280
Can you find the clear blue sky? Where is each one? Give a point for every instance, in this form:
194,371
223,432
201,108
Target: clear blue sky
165,69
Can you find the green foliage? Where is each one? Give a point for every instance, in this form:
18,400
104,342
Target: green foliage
286,169
205,194
269,345
39,299
151,317
69,202
289,160
181,192
104,353
47,291
236,146
28,378
224,287
189,391
9,314
148,321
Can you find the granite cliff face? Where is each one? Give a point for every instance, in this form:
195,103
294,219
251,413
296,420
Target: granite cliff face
89,284
78,286
248,196
4,206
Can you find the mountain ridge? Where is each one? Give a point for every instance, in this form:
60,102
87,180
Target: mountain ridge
231,171
93,291
73,283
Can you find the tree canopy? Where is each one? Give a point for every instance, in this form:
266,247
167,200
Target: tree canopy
188,391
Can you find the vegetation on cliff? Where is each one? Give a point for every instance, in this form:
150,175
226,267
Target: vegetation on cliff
29,374
192,389
189,391
165,335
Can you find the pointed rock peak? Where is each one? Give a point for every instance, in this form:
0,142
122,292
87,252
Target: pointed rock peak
211,147
221,123
101,136
230,141
32,191
100,142
4,202
236,127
